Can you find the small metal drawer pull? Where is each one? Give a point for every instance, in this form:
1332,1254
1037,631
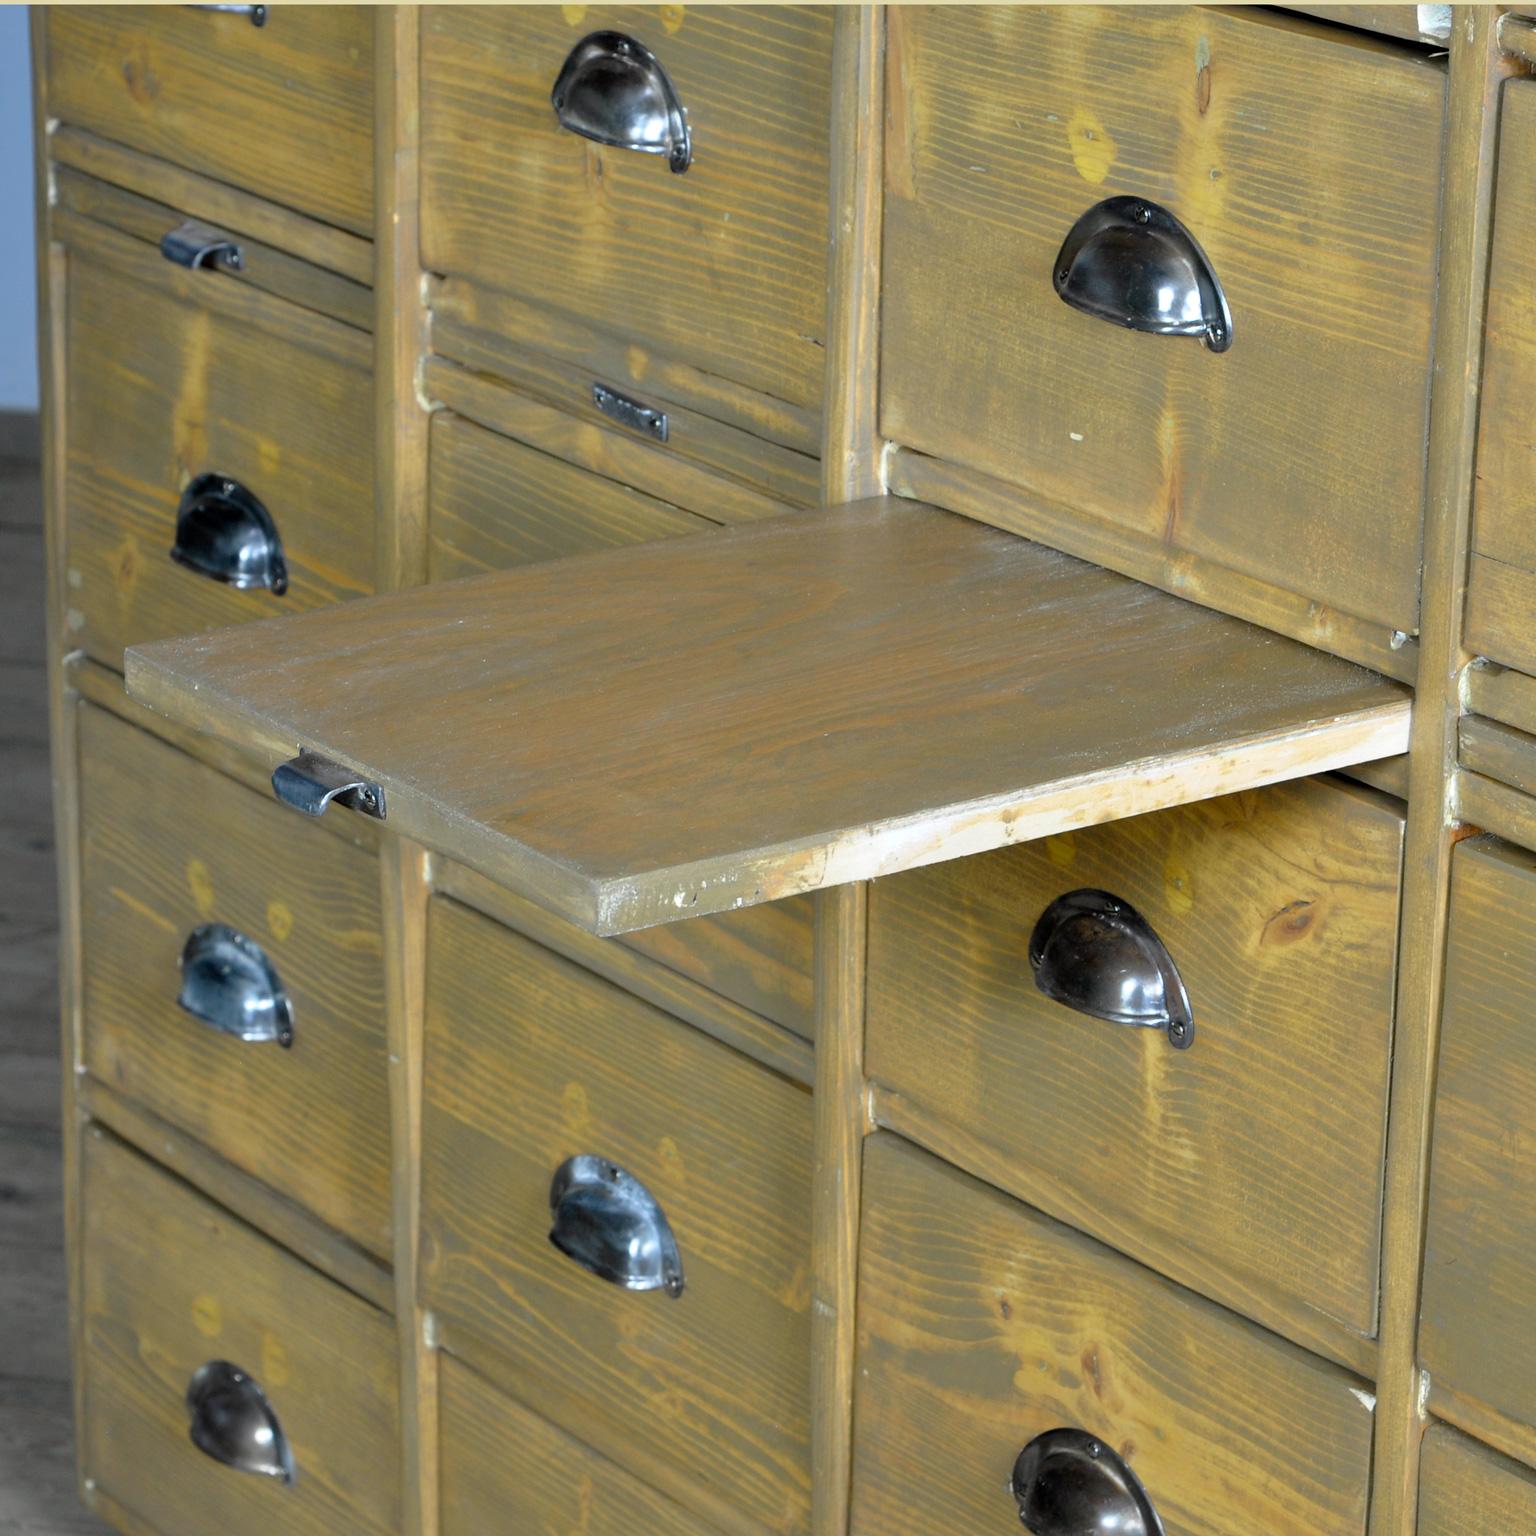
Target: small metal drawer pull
1094,953
228,982
630,413
224,533
609,1223
310,782
613,90
1067,1483
1130,262
198,245
233,1422
257,13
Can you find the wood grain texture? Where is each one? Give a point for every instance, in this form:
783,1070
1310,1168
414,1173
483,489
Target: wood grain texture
245,105
62,715
1500,751
98,685
401,419
983,1324
1414,23
171,1281
495,503
841,1123
622,456
1466,1490
506,1469
168,845
706,723
627,964
187,390
1501,601
788,472
529,1062
504,336
1477,73
1146,557
1485,804
259,1205
724,266
401,530
851,448
404,879
261,265
213,202
1502,694
1477,1335
1501,611
1257,1153
1304,159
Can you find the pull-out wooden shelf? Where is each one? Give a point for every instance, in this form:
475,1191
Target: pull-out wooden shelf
678,728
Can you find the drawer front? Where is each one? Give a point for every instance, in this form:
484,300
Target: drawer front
173,1283
761,957
1467,1490
505,1469
531,1061
243,104
162,391
1257,1150
1501,594
169,848
1304,161
1478,1332
983,1325
722,268
495,503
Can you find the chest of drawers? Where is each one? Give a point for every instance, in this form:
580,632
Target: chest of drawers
901,631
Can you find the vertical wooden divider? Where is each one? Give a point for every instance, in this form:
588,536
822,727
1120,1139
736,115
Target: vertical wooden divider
1476,72
52,272
400,545
851,468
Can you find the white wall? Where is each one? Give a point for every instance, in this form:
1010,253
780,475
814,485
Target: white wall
18,277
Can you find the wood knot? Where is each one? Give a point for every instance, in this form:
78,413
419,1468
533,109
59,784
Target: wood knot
1290,924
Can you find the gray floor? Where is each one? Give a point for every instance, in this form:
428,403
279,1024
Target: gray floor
37,1496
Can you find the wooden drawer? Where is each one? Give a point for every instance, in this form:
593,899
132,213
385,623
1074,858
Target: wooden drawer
172,375
506,1469
703,289
495,503
983,1324
1501,590
531,1061
169,847
172,1283
1477,1329
1467,1490
284,110
1255,1155
1304,160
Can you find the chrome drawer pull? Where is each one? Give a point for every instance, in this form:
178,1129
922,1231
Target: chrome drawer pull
224,533
609,1223
257,13
310,782
1067,1483
233,1422
613,90
630,413
228,982
1094,953
198,245
1132,263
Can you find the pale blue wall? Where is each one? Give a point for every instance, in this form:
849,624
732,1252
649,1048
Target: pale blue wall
18,277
